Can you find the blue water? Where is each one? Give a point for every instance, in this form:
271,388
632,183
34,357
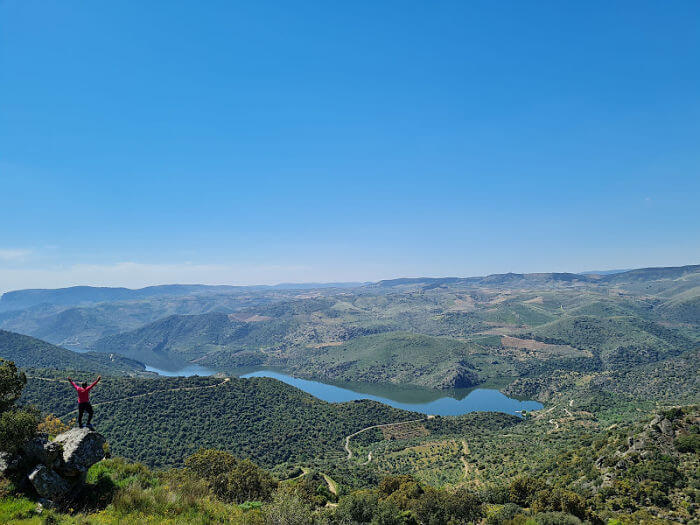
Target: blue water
477,400
187,371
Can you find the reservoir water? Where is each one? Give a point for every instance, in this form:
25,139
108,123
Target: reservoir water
186,371
439,403
416,400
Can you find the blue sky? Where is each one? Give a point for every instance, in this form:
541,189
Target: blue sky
259,142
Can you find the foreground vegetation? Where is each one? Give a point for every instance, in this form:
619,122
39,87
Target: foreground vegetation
589,456
658,484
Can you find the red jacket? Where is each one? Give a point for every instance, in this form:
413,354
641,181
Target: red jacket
83,393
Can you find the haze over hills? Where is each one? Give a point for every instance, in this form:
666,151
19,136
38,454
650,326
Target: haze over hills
76,295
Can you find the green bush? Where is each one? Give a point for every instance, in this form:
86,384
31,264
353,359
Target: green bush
358,507
558,500
17,425
229,478
522,490
504,513
688,443
287,509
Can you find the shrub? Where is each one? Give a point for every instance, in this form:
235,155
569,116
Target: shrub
16,425
247,482
442,506
505,513
52,426
231,479
688,443
558,500
208,464
556,518
287,509
522,490
359,506
11,384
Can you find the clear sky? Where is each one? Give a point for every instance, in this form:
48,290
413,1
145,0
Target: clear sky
144,142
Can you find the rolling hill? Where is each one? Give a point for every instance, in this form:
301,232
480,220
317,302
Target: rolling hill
28,352
393,357
162,421
184,338
616,341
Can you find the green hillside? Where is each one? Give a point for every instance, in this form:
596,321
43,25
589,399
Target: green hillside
395,357
183,338
161,422
616,341
27,351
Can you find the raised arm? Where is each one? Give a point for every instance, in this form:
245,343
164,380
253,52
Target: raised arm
95,382
72,383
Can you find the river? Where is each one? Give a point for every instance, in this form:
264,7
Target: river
450,403
415,400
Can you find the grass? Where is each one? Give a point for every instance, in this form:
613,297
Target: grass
18,510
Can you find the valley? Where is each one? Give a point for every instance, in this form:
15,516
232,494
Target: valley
458,384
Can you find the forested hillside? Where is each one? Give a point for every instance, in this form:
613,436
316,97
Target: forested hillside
162,421
393,357
30,352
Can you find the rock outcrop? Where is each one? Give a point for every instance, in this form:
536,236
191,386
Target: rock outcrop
56,469
460,376
48,483
42,450
658,436
82,448
8,463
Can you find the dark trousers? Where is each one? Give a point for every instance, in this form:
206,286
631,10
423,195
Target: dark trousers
84,407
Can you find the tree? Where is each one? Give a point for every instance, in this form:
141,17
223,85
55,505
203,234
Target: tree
208,464
287,509
559,500
11,384
438,507
248,482
358,507
229,478
522,490
17,425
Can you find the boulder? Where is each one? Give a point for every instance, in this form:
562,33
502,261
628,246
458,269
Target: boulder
82,448
8,462
42,450
48,484
666,427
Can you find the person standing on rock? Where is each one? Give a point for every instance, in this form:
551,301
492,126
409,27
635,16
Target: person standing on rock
84,401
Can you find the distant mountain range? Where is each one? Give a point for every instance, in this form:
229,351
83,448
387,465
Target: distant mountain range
80,295
604,272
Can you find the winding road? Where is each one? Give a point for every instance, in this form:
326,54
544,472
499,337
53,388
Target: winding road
369,456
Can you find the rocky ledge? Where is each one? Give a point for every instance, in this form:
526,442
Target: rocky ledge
56,469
